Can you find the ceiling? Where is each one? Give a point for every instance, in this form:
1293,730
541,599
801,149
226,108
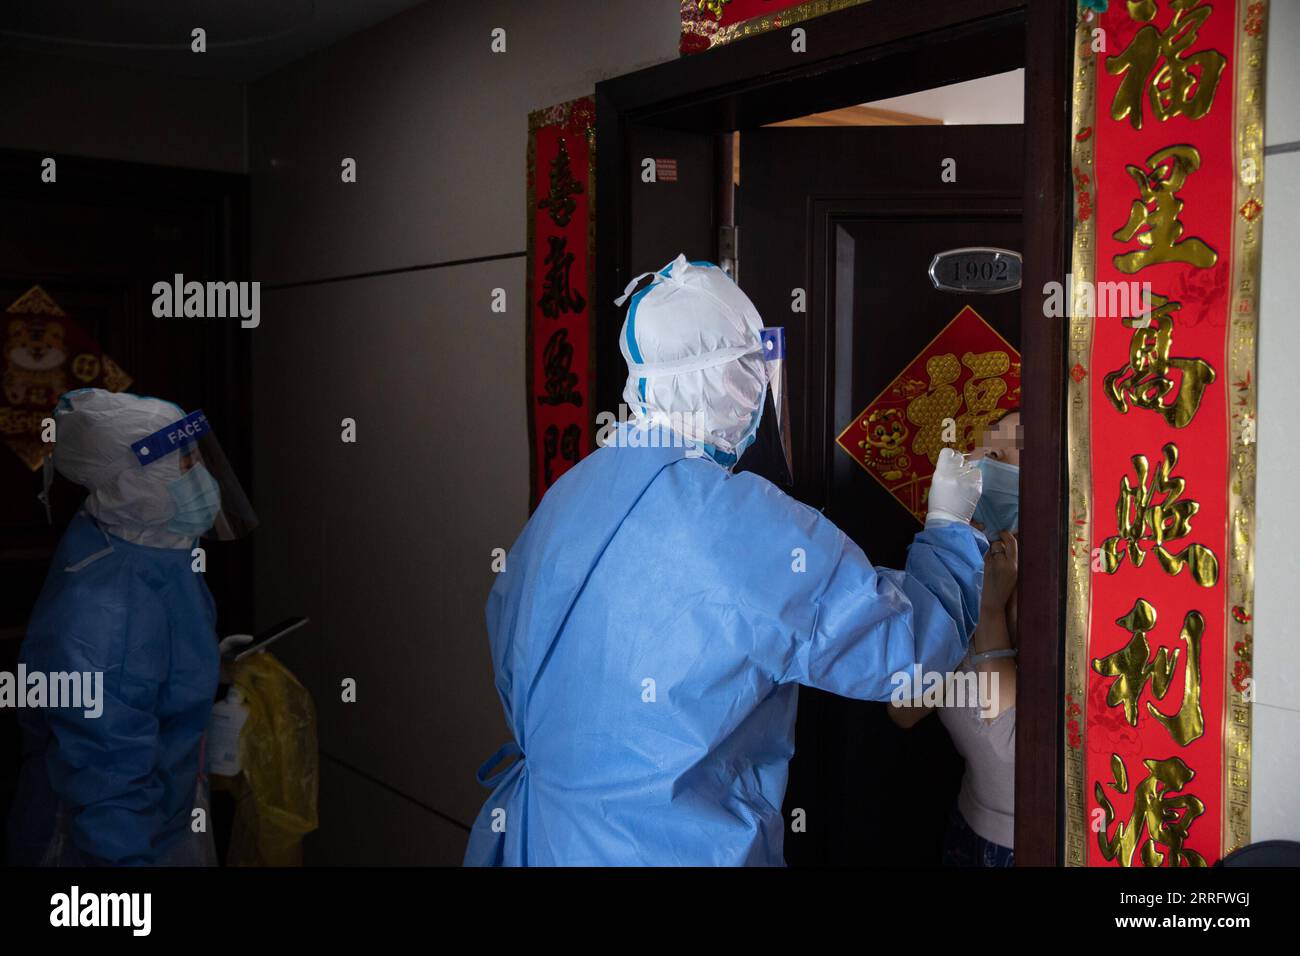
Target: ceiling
246,39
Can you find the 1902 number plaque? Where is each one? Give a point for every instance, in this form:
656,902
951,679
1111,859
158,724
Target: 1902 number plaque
977,269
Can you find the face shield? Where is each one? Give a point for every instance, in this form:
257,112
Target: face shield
187,459
774,355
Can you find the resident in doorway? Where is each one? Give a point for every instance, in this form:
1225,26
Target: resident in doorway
981,824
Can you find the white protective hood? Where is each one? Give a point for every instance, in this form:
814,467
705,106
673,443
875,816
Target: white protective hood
94,430
693,346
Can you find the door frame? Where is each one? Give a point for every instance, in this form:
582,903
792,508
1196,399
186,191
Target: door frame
878,49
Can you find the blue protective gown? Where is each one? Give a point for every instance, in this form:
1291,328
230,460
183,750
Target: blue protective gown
649,634
124,783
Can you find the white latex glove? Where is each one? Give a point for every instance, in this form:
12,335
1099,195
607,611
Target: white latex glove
232,645
954,490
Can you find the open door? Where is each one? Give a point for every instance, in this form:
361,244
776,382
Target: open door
854,217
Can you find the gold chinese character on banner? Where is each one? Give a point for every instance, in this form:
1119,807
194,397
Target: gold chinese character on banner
1140,516
1154,65
1164,818
714,7
559,202
1132,668
1145,381
940,402
558,295
1153,218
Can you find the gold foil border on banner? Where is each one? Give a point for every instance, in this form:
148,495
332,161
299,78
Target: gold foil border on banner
782,18
1078,450
1243,327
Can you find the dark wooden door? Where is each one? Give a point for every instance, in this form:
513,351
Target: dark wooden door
853,218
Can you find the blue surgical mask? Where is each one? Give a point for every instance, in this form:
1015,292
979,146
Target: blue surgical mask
728,459
999,505
198,500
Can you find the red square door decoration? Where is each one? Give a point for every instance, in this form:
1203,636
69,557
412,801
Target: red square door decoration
46,354
966,379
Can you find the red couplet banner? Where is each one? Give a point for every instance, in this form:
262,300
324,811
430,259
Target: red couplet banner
1168,167
561,286
710,23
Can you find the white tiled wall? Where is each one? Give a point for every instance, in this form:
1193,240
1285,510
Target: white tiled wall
436,122
1275,806
1282,116
386,543
364,823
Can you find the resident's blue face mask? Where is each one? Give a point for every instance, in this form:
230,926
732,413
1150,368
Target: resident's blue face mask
198,500
999,505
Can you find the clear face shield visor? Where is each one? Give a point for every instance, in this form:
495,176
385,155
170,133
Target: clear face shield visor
774,355
188,459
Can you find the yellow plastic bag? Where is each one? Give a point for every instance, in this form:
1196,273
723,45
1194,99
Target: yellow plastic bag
278,786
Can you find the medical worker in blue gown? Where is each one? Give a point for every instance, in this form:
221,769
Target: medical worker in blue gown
658,613
122,599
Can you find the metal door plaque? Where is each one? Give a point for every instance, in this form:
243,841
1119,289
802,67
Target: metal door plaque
983,270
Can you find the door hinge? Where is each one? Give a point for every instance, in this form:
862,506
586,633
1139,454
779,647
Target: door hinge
728,244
